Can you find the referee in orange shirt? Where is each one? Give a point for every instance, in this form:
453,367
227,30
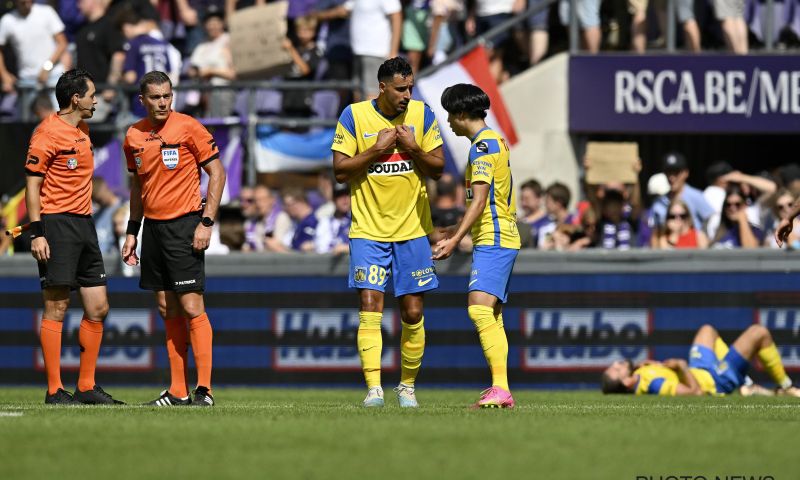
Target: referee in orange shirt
59,167
165,153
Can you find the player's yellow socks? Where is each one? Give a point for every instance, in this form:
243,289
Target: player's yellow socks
493,341
50,336
370,344
771,360
202,337
90,336
499,319
412,346
720,348
177,353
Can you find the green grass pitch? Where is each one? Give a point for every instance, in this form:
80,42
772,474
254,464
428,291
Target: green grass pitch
324,433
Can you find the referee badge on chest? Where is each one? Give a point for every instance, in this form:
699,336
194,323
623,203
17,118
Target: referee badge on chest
72,163
170,157
138,161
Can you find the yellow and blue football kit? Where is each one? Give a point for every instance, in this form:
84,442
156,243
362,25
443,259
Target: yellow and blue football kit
391,214
718,375
391,219
656,379
494,234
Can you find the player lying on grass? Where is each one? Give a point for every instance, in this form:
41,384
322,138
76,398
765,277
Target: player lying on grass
713,368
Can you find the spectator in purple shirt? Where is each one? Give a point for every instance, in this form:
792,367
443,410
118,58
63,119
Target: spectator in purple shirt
615,230
301,213
145,51
735,231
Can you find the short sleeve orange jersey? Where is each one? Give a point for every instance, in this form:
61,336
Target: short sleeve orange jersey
167,158
62,154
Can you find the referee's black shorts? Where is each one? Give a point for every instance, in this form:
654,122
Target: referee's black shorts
168,260
75,259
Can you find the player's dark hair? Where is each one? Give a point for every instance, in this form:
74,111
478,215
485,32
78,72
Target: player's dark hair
612,385
534,186
467,99
559,193
153,78
394,66
72,82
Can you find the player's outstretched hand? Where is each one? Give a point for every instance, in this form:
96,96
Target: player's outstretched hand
386,139
40,249
129,251
783,231
405,137
202,237
444,248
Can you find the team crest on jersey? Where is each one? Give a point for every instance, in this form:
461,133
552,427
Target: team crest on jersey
170,157
482,147
360,274
138,161
72,163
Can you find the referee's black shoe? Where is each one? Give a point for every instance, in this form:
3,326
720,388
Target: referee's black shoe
202,398
167,399
61,397
95,396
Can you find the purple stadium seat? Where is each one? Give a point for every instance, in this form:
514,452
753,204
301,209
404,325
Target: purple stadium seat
756,18
325,104
267,102
8,105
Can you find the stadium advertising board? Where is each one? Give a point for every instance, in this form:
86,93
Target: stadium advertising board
122,326
600,336
678,94
786,323
328,325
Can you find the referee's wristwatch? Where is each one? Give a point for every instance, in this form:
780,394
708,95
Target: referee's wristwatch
207,222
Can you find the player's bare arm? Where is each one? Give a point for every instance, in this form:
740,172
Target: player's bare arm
216,182
346,168
40,249
480,195
135,217
431,163
688,385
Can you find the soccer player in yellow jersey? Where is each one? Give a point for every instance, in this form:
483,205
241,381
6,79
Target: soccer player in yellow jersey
492,216
713,368
384,148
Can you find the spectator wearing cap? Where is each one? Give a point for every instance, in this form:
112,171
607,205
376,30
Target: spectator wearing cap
677,171
333,231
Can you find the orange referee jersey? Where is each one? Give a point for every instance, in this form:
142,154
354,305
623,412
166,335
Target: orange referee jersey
167,158
62,154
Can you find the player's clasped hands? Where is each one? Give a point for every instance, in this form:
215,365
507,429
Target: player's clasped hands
129,251
40,249
387,138
405,137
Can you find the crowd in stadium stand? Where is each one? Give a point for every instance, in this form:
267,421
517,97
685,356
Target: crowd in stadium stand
119,40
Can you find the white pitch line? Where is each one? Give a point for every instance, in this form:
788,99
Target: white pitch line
11,414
